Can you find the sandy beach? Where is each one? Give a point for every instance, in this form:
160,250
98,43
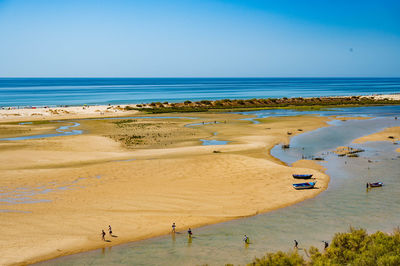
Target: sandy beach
70,112
391,134
224,119
86,111
139,176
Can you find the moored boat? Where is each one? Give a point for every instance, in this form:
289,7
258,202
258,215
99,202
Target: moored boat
304,185
376,184
302,176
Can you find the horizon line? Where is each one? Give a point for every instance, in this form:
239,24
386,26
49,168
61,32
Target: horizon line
201,77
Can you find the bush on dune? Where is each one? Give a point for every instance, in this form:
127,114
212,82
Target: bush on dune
279,259
353,248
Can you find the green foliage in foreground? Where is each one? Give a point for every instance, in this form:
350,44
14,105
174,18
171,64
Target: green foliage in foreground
353,248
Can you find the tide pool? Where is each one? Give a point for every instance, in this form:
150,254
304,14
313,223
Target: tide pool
62,131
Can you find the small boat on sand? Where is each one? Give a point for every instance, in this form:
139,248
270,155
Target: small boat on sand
302,176
304,185
376,184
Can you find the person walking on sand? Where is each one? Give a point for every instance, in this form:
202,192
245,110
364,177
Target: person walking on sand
103,234
326,244
296,244
110,230
173,227
246,239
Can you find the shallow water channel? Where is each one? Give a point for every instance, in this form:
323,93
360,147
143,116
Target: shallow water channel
61,131
346,202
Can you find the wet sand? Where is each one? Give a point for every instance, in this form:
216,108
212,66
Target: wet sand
69,188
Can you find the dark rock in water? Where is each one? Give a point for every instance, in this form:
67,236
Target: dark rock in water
285,146
353,151
318,159
352,155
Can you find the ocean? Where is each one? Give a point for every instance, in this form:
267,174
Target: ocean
99,91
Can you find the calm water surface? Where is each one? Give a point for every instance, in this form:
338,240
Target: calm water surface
346,202
78,91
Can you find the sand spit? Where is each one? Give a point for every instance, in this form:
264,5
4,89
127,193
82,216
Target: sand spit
347,151
70,112
59,193
391,134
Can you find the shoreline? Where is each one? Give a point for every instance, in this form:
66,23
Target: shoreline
164,233
195,233
390,134
246,158
14,114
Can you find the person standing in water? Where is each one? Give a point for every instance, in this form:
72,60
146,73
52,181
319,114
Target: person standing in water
109,230
296,244
326,244
190,233
103,234
173,227
246,239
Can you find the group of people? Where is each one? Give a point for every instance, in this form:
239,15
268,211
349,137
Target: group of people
246,239
174,230
103,234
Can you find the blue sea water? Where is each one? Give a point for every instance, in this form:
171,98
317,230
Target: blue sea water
78,91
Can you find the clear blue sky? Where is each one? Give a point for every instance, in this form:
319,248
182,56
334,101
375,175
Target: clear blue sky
204,38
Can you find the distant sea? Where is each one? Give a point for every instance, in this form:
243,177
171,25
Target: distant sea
78,91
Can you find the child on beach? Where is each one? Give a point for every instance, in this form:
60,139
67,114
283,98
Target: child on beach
109,229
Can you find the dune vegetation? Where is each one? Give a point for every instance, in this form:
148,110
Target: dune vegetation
355,247
252,104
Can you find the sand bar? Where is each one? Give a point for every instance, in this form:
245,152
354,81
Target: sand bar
140,176
70,112
391,134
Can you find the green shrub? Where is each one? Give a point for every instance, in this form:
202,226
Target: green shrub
279,259
353,248
206,102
